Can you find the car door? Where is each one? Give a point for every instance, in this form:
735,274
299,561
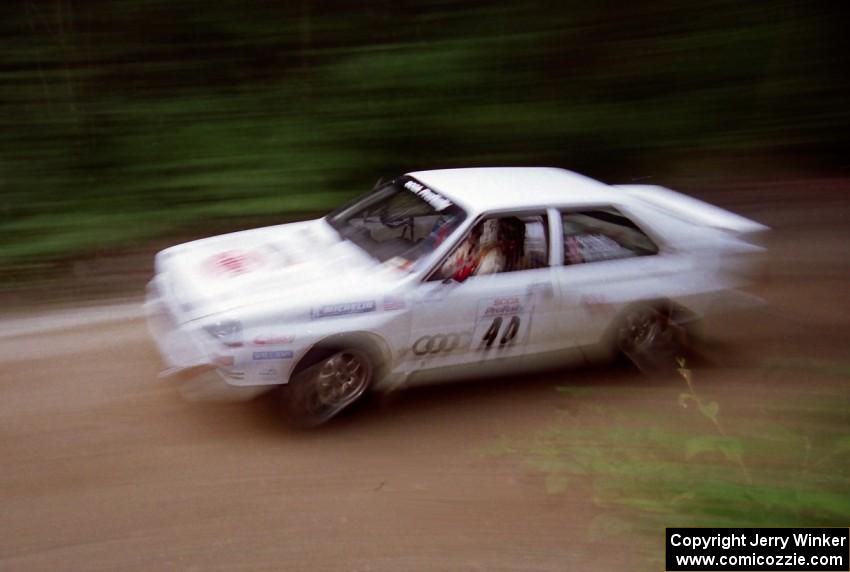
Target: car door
608,261
486,319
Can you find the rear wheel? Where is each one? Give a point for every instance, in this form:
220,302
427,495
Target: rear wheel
653,338
323,389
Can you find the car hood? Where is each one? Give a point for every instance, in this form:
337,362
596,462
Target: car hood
295,264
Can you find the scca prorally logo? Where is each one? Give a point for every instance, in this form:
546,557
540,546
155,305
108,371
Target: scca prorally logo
233,262
440,343
504,306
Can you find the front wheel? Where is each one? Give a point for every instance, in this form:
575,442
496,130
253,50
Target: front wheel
319,392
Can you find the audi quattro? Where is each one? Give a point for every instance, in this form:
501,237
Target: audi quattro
441,275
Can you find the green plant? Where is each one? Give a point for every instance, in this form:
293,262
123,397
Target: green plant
647,470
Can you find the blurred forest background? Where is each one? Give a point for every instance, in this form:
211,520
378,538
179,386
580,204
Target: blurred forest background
125,121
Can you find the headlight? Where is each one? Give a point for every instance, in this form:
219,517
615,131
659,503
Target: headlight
228,332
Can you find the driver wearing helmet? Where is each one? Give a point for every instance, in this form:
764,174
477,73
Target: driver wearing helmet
491,255
484,251
464,260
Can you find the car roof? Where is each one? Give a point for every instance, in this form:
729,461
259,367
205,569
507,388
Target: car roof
485,189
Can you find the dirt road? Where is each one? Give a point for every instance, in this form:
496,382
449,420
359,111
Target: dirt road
105,467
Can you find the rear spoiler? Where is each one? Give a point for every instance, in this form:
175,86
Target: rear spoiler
691,209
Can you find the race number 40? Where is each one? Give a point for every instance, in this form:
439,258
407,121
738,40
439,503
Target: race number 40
501,322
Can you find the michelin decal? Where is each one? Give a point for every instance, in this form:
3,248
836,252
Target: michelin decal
334,310
272,355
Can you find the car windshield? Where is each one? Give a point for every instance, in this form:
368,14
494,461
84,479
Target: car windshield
399,223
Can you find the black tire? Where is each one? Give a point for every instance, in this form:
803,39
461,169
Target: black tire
332,381
654,338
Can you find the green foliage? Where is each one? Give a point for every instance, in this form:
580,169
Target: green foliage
123,120
842,445
731,448
787,466
710,410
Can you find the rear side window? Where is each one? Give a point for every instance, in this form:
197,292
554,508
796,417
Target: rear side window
602,234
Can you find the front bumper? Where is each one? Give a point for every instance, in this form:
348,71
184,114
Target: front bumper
178,347
189,364
207,383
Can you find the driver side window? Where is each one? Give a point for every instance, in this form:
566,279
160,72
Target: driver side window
499,244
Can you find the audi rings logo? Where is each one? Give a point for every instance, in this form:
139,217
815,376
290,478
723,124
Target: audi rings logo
440,343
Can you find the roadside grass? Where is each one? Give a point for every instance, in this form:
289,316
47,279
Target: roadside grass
777,462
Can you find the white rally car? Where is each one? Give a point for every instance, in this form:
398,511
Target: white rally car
443,275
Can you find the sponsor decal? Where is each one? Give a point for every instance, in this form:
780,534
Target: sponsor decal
433,198
505,306
233,262
272,355
503,321
269,374
393,303
593,248
331,310
273,340
441,343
